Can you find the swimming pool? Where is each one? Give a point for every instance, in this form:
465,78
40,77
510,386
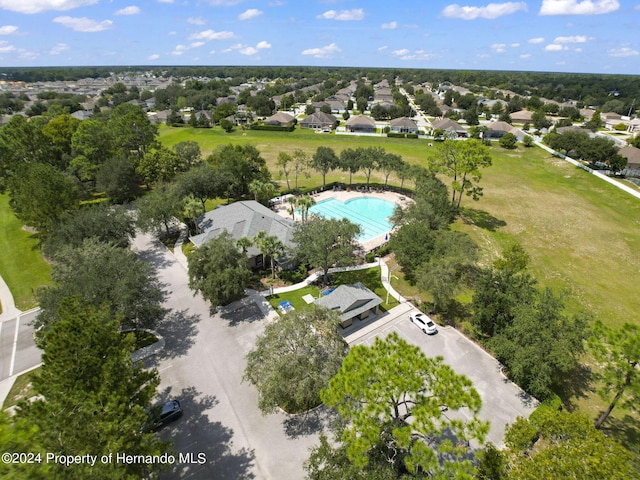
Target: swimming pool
372,214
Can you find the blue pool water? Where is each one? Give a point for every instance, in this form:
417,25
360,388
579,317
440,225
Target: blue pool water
372,214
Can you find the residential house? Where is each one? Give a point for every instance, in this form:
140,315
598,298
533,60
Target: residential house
351,302
361,124
403,125
280,119
451,128
319,121
499,129
245,219
522,116
632,154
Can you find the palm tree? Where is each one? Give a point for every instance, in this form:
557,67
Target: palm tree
243,244
193,209
305,203
270,246
293,201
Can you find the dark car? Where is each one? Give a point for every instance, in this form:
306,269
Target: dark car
160,415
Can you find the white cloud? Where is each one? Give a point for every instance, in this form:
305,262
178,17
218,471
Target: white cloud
406,54
155,56
382,48
179,50
499,47
261,45
6,47
8,30
389,26
37,6
165,1
323,52
248,51
554,47
196,21
344,15
131,10
536,40
208,35
525,55
623,52
571,39
250,13
83,24
578,7
196,44
59,48
490,11
514,45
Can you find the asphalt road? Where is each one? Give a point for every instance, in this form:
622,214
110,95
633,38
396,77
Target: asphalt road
202,365
18,351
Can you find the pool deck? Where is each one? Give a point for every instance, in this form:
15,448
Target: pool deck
343,196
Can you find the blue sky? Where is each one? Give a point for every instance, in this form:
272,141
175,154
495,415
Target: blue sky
598,36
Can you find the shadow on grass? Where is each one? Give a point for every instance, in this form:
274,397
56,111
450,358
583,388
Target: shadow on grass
453,313
625,430
578,383
309,423
194,434
482,219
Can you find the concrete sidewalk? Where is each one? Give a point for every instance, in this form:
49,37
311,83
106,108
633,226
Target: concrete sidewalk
9,310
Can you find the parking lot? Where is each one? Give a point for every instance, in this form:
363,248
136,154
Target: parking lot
502,400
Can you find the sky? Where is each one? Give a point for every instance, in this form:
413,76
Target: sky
590,36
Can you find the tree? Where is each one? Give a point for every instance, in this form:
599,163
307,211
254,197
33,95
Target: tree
323,161
106,223
350,161
462,162
117,178
541,345
192,209
499,290
295,358
102,274
21,142
391,398
160,165
203,183
304,203
91,146
300,164
370,161
597,150
93,398
324,243
240,164
41,195
60,131
270,246
508,140
595,122
284,162
262,191
131,131
159,209
453,257
218,271
618,353
527,141
560,444
189,153
389,163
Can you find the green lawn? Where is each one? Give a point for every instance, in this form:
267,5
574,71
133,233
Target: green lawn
370,277
21,264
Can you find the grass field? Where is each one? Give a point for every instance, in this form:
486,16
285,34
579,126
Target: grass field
581,233
21,264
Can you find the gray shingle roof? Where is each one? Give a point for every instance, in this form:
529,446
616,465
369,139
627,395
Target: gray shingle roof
244,219
350,300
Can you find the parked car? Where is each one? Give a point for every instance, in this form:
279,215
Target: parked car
423,322
161,415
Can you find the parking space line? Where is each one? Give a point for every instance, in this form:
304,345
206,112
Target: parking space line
15,347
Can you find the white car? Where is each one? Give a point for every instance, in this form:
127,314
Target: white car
423,322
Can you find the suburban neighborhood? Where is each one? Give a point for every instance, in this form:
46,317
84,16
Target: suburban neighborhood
229,269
